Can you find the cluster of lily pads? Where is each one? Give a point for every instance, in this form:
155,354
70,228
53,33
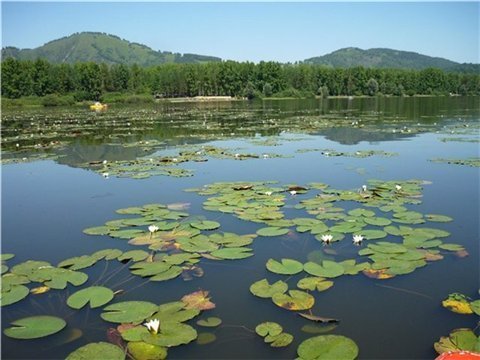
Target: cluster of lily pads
473,162
464,339
145,330
356,154
145,167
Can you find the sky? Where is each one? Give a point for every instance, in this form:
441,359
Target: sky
251,31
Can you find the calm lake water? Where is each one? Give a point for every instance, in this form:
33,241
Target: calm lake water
46,203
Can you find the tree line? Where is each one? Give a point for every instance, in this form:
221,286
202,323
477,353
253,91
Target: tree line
89,80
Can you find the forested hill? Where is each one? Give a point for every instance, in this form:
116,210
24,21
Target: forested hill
384,58
100,47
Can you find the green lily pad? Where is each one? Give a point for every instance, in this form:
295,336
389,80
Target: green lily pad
171,334
210,322
374,234
314,283
328,269
451,247
175,311
98,230
125,234
100,350
280,340
142,350
286,267
134,255
78,262
128,312
295,300
232,253
35,327
318,329
377,221
107,254
205,225
438,218
169,274
268,328
263,289
206,338
459,339
272,231
361,212
149,268
5,257
15,294
475,306
328,347
95,295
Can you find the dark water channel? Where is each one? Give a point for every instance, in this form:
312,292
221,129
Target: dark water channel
46,204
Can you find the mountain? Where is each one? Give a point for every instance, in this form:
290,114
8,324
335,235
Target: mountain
382,58
100,47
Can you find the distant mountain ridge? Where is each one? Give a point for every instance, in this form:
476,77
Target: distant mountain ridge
383,58
111,49
101,47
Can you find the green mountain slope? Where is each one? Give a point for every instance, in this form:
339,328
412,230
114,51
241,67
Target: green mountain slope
381,58
100,47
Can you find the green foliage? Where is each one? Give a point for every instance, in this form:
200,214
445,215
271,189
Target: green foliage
87,81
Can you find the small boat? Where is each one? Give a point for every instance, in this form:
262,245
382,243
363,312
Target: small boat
98,106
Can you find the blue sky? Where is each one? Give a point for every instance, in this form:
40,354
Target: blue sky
256,31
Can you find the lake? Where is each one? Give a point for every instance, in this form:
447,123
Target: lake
389,169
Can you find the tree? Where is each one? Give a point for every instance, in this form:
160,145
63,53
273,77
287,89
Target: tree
372,87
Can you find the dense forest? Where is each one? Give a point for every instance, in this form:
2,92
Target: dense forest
91,81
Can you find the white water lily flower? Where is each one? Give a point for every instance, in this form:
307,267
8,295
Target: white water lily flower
237,155
357,239
293,192
265,156
153,325
268,193
174,159
364,188
327,238
153,228
398,187
105,162
105,175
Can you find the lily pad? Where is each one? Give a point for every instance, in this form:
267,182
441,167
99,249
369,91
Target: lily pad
328,347
95,295
145,351
458,303
210,322
35,327
280,340
175,311
286,267
232,253
129,312
295,300
459,339
198,300
263,289
272,231
134,255
171,333
205,225
268,328
100,350
438,218
15,294
328,269
314,283
206,338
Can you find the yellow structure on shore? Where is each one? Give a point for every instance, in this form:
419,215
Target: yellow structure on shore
98,106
